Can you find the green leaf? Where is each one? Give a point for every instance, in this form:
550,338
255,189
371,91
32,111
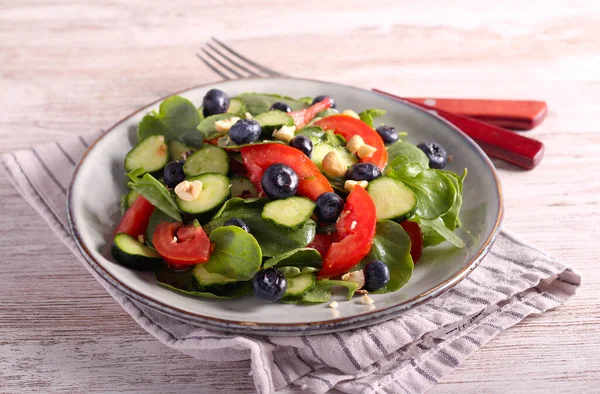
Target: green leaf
176,116
435,192
306,100
327,112
273,239
257,103
401,152
301,257
207,126
368,115
440,228
157,217
322,291
184,282
194,139
392,246
154,191
235,254
315,133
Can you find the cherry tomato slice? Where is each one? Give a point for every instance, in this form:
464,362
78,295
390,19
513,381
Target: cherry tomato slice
257,158
348,127
181,245
303,116
355,232
136,218
416,239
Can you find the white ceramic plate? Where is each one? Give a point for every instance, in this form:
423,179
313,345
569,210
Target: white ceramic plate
98,183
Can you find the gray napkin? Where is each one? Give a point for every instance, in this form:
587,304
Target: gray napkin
408,354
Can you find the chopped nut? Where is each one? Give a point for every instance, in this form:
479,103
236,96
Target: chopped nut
353,225
188,191
141,238
248,115
361,291
335,313
355,277
223,126
352,113
174,240
366,300
350,185
286,133
366,151
333,165
354,144
334,304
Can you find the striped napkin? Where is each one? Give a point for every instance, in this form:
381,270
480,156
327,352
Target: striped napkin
408,354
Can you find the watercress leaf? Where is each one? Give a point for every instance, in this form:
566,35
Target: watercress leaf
257,103
437,225
402,152
301,257
154,191
184,282
207,126
273,239
235,254
392,246
435,192
176,116
322,290
368,115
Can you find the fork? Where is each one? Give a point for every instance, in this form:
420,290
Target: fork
495,141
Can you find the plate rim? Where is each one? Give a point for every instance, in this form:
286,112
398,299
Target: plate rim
306,328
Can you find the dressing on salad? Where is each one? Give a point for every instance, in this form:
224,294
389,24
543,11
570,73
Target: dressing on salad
284,198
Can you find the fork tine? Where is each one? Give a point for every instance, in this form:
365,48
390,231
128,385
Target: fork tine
252,73
216,70
262,68
225,66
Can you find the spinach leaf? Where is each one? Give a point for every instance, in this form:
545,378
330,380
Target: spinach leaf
207,126
322,290
437,226
368,114
450,218
315,133
157,217
435,192
392,246
194,139
154,191
176,116
184,282
257,103
235,254
401,152
300,258
273,239
306,100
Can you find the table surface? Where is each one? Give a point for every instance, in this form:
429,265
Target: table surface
72,67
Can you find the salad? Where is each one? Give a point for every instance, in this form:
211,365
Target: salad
280,197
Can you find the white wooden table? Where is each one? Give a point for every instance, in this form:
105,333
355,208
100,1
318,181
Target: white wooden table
71,66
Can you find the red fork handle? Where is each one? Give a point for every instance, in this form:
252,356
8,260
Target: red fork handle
495,141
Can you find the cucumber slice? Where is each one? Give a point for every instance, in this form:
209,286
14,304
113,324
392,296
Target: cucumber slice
290,212
209,159
320,150
133,254
131,197
215,190
242,187
206,278
150,154
393,200
299,285
207,126
177,149
273,120
237,107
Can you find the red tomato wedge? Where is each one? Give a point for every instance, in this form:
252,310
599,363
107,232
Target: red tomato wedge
257,158
348,127
322,243
135,220
303,116
181,245
355,232
416,239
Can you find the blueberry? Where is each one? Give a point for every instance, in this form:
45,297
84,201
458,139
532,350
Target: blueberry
173,174
302,143
323,97
245,131
279,181
280,106
269,285
329,207
238,223
435,153
377,275
215,102
363,172
388,134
